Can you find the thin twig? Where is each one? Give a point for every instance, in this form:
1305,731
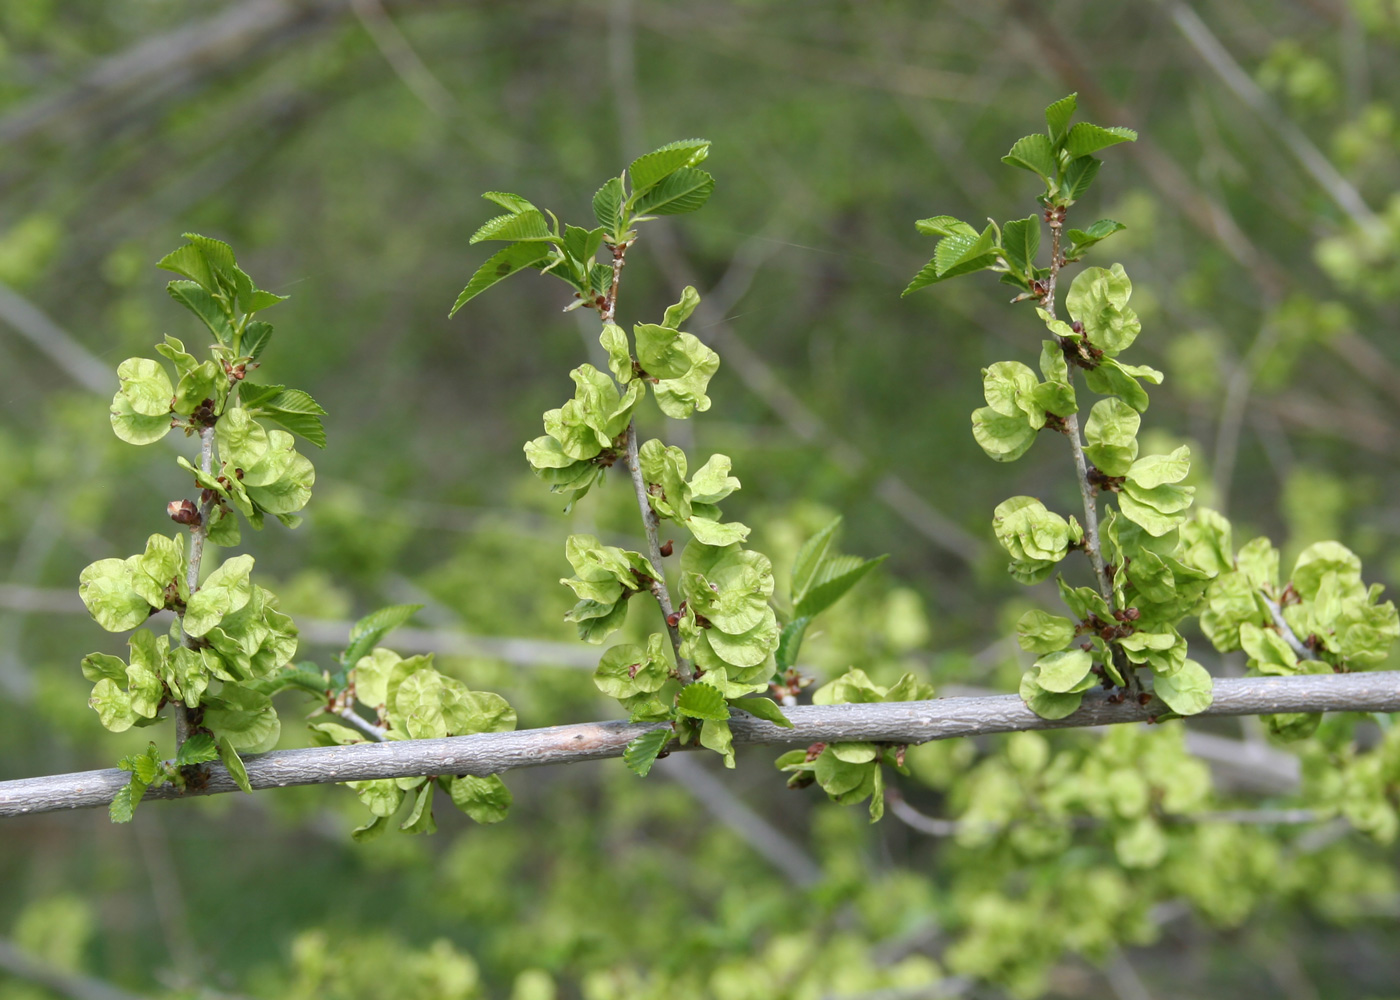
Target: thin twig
651,523
1081,464
1286,631
893,722
1218,58
377,733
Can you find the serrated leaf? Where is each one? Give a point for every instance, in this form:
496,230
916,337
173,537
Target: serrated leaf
607,205
1020,241
641,753
810,558
512,203
1078,176
649,170
1058,117
502,264
685,190
790,641
198,749
198,301
1086,138
527,225
833,581
701,701
124,803
366,633
944,225
1034,153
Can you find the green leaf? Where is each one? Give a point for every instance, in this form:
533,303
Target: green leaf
944,225
701,701
1186,692
1111,378
501,264
1020,240
764,708
1085,138
296,411
836,577
512,203
685,190
641,753
106,589
1081,239
1040,632
626,670
256,336
607,205
234,763
486,800
527,225
790,641
810,559
124,803
198,301
190,261
1034,153
678,398
647,171
1058,116
1078,176
112,705
256,300
198,749
367,633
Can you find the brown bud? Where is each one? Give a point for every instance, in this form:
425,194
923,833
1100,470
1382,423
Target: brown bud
668,548
183,512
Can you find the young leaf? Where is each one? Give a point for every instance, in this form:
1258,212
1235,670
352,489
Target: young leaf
194,298
944,225
234,763
198,749
369,630
837,576
607,205
642,752
810,558
1020,240
1085,138
790,641
685,190
1057,118
1033,153
512,203
764,708
1078,176
500,265
255,338
647,171
701,701
528,225
123,805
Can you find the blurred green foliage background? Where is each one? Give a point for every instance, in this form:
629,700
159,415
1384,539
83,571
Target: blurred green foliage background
339,145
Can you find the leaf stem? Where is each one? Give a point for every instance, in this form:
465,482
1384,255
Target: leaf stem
652,524
1286,631
609,309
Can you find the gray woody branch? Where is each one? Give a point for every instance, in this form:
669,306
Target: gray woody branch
899,722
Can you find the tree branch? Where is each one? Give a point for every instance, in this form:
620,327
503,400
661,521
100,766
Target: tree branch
897,722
